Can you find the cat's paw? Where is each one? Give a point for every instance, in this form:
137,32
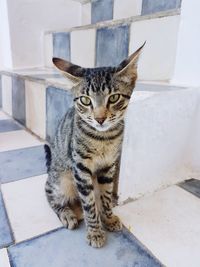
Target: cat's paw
69,220
96,239
112,224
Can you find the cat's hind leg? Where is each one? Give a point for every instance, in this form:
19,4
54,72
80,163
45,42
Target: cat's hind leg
63,197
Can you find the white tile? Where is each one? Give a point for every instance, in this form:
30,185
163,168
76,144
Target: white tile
7,94
158,57
3,116
36,108
83,47
16,140
168,224
4,261
63,83
35,71
28,209
86,14
127,8
48,50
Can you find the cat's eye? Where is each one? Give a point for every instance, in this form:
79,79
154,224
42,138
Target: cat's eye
85,100
114,98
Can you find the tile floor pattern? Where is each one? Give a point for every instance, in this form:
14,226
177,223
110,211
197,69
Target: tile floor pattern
29,227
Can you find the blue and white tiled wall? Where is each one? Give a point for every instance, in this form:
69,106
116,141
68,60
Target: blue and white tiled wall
102,10
57,103
110,43
61,45
35,105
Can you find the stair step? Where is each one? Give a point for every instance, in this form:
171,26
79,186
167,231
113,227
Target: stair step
44,97
167,222
103,10
108,43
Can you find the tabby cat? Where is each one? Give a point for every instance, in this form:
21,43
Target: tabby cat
83,161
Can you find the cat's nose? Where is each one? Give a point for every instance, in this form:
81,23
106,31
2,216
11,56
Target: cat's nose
100,120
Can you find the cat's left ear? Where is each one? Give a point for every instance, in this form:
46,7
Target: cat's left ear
127,70
71,71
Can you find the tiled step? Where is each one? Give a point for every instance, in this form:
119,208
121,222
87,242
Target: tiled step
102,10
162,229
29,227
168,223
161,136
108,43
36,98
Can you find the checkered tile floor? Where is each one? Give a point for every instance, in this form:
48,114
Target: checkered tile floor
164,228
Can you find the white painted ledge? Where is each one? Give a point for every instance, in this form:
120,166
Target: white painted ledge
161,144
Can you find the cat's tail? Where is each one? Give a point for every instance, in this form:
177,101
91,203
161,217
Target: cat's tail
48,156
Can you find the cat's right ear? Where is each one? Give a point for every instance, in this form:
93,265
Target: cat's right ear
73,72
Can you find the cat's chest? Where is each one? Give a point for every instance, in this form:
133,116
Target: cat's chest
106,153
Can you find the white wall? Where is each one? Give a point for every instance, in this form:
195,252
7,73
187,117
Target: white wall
28,19
5,49
187,67
194,143
161,143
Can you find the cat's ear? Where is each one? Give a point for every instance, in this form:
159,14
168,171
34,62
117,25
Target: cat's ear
127,70
71,71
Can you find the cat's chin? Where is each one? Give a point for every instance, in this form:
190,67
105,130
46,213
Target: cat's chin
102,128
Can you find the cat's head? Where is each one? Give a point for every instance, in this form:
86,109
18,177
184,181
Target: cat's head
101,95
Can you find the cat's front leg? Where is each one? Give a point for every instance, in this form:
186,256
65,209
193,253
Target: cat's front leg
83,178
105,179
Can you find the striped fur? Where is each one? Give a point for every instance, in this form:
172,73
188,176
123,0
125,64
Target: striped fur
83,161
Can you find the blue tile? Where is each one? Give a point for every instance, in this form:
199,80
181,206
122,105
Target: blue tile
0,92
22,163
192,186
61,45
18,99
112,45
149,6
6,237
63,248
102,10
57,103
9,125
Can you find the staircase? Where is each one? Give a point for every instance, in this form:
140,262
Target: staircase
161,143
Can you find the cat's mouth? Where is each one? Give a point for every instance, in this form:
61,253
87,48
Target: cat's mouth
103,127
107,125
